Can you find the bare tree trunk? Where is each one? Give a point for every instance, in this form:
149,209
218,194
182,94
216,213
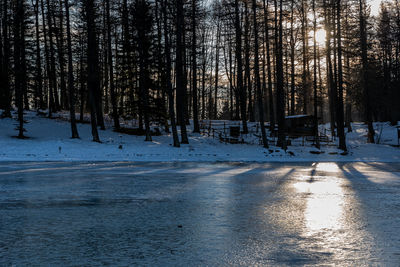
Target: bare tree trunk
39,104
280,94
321,104
93,82
317,145
61,60
229,74
231,85
143,26
243,97
53,91
20,75
269,70
24,82
215,111
49,83
168,77
340,115
364,60
257,75
6,61
247,72
305,74
330,78
82,80
114,102
196,127
185,61
203,79
180,79
71,86
293,73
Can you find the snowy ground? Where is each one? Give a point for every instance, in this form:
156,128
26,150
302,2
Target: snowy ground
50,141
199,214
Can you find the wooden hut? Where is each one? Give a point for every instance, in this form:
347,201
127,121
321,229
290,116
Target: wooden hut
300,125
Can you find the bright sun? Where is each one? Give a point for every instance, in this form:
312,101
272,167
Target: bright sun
320,37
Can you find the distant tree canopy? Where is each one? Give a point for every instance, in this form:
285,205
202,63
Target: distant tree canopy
173,62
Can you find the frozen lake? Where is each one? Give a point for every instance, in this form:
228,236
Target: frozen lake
160,214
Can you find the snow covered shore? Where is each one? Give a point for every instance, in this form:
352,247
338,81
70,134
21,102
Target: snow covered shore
49,140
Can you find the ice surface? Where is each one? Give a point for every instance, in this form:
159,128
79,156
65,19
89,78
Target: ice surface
180,214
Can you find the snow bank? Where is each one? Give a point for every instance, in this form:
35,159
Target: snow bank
49,140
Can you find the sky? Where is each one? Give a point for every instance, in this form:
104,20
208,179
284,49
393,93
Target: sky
375,6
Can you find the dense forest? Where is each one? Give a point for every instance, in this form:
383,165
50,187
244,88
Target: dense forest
183,61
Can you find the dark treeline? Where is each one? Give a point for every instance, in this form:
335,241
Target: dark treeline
182,61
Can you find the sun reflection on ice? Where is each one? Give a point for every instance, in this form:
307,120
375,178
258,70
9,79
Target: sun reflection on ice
327,167
325,199
325,212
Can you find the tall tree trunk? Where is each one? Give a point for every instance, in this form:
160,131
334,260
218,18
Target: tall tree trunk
280,94
196,127
340,112
305,74
93,76
257,76
71,86
348,109
143,25
264,74
231,74
203,79
82,81
247,72
317,145
53,92
321,104
186,61
24,82
126,60
114,102
269,69
239,85
61,60
6,61
105,72
292,63
180,79
330,78
20,75
39,104
161,91
216,76
364,61
168,77
48,83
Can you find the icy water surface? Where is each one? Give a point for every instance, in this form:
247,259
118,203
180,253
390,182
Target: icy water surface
180,214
